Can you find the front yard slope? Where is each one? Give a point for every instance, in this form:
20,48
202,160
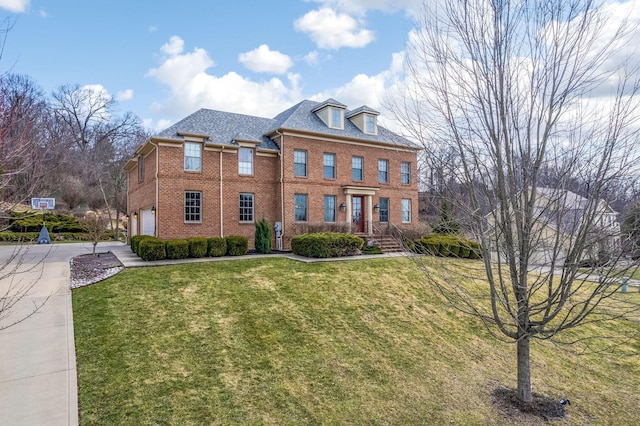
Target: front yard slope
273,341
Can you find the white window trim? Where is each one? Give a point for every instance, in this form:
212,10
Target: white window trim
331,123
240,172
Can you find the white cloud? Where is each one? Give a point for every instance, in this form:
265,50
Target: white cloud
360,7
43,13
263,59
331,30
124,95
152,28
312,58
173,47
16,6
192,87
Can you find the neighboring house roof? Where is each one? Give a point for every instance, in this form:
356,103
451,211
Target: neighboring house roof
569,208
225,127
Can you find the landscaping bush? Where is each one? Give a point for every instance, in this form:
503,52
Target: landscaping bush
197,247
177,249
31,221
371,249
263,236
135,242
326,244
216,247
449,245
16,237
237,245
152,248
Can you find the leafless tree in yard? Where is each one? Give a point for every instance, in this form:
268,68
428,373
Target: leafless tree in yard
520,91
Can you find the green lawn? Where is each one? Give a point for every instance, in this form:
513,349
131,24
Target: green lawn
274,341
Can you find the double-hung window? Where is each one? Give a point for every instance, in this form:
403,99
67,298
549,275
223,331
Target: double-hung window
192,156
246,207
300,207
406,210
370,124
192,206
329,208
357,164
329,162
245,161
383,171
405,173
140,168
335,118
299,163
384,209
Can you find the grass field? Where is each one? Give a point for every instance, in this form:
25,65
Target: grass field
274,341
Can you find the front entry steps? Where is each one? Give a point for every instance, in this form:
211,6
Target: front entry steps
387,243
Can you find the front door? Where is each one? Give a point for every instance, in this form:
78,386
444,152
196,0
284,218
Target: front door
358,217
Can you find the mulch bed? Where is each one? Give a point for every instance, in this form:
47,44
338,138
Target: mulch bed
506,401
89,269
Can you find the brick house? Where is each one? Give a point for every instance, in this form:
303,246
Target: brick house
215,173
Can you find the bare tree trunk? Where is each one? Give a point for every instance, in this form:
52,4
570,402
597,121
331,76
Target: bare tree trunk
524,369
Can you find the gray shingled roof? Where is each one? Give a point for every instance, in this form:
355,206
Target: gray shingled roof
223,127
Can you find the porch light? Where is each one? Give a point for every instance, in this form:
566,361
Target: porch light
153,210
376,208
135,215
343,207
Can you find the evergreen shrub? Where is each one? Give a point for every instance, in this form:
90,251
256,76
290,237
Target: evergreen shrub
177,249
237,245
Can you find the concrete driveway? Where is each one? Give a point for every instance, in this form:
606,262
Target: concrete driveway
38,381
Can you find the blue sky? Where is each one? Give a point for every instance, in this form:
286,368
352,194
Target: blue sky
164,60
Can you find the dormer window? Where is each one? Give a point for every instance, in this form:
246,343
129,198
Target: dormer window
331,112
365,119
335,118
370,124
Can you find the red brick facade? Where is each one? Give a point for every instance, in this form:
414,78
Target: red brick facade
272,185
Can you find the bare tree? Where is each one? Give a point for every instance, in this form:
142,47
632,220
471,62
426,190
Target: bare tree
518,89
23,139
96,228
98,138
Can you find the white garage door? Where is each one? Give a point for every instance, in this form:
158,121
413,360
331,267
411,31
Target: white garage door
148,222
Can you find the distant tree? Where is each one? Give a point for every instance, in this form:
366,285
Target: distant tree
96,228
527,94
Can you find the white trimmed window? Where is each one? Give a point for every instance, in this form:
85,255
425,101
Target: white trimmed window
192,206
192,156
300,207
245,161
357,164
370,124
406,210
383,171
329,163
336,120
405,173
384,209
246,207
299,163
329,208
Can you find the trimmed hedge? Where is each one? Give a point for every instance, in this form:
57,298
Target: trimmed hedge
237,245
135,242
31,221
197,247
16,237
326,244
216,247
177,249
152,248
448,246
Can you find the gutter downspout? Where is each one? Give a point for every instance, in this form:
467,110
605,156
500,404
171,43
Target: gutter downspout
281,155
155,219
221,198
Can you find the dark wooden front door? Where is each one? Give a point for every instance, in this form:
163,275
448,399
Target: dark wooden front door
358,214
